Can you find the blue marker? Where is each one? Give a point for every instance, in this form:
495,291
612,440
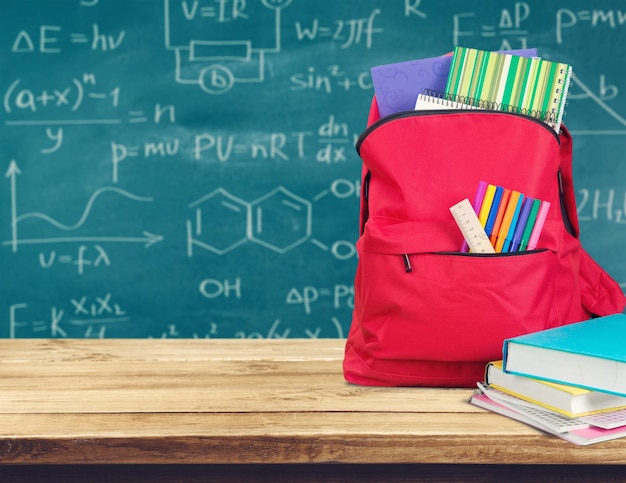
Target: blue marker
521,224
493,212
509,234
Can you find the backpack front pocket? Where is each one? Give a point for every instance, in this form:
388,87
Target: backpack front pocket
446,306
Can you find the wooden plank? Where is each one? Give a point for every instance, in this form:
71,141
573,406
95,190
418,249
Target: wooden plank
213,372
115,377
56,350
243,394
107,425
289,438
24,371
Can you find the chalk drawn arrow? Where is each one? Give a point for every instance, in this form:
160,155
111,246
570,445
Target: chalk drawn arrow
147,238
12,173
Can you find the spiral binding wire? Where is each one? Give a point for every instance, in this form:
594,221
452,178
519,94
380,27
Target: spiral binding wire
459,102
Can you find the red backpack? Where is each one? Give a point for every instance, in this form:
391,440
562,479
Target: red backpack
428,315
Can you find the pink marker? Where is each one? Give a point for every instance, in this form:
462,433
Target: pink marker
478,200
541,218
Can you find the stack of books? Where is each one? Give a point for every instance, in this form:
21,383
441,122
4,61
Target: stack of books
568,381
514,81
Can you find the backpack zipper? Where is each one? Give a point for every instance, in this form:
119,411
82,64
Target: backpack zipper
408,268
419,113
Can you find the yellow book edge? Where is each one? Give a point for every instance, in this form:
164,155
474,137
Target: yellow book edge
568,389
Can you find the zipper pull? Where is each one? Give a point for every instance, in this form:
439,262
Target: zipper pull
407,263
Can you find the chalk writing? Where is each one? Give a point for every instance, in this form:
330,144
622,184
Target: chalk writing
187,168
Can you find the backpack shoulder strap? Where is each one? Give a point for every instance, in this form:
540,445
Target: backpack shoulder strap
566,183
373,116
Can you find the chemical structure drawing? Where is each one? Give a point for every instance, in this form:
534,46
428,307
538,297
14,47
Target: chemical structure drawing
278,220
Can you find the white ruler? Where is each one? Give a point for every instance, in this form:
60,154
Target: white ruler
470,227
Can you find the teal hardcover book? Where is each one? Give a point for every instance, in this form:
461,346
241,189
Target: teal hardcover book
590,354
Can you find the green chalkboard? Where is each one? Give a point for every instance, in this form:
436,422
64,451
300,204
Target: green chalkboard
186,168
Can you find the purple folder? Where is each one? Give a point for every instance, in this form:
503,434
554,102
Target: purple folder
397,86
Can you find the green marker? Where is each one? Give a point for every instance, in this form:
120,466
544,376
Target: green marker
528,229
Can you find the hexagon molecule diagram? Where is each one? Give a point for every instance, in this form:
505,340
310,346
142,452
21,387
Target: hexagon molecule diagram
221,222
280,220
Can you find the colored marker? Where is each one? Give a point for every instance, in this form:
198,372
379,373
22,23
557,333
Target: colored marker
521,224
485,207
480,194
506,194
530,224
493,211
541,218
478,200
509,234
510,216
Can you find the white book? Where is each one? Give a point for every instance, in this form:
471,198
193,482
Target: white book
427,102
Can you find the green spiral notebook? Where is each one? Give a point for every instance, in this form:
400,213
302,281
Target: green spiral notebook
511,83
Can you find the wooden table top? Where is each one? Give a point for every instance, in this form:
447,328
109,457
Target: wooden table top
162,401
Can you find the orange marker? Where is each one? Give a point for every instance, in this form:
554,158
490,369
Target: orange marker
506,220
